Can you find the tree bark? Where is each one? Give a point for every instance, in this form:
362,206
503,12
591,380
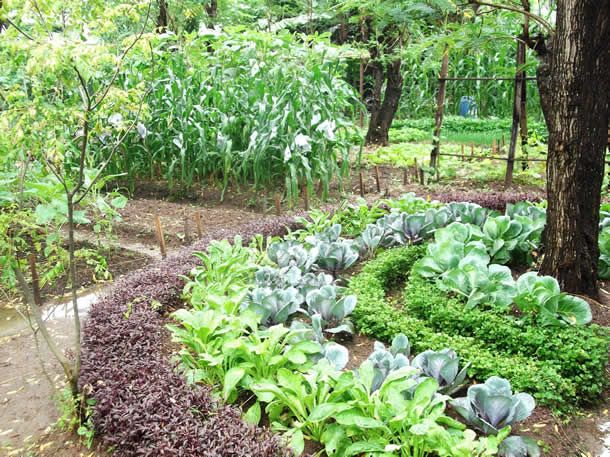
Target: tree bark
212,10
574,77
162,18
383,112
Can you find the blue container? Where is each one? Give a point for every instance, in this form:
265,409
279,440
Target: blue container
468,106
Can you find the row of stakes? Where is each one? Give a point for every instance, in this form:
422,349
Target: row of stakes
414,170
197,216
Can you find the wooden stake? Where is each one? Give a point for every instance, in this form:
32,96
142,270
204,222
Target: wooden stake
503,143
278,205
462,153
361,177
187,230
494,147
523,129
305,196
377,179
362,91
35,279
198,224
510,161
160,236
405,176
471,151
440,109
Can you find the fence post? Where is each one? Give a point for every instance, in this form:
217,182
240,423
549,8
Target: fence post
523,130
278,205
440,109
198,224
305,193
160,236
377,179
510,162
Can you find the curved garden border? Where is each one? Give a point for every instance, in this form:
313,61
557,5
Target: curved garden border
142,406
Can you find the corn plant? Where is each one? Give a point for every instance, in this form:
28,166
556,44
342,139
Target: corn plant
261,110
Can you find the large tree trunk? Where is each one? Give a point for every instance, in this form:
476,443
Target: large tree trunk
574,80
382,113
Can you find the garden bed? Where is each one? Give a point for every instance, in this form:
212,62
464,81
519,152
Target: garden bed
129,323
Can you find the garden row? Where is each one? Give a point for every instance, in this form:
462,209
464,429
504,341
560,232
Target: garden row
264,321
262,326
142,406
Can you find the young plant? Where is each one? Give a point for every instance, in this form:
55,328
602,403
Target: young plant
370,240
354,219
402,229
292,253
296,402
468,213
492,406
274,306
409,203
443,366
204,335
333,311
384,361
542,295
226,270
336,256
261,355
478,284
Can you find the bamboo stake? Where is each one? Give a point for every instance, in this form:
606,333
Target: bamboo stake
187,229
377,179
440,109
198,224
510,164
305,196
160,237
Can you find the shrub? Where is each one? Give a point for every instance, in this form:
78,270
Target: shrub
579,353
375,316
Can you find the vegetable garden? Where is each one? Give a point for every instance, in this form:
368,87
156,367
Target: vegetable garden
268,228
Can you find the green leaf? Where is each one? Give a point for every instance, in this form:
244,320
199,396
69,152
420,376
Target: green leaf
297,442
119,202
253,415
232,378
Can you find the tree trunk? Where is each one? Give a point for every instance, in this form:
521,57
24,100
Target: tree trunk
382,113
574,72
162,18
212,10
